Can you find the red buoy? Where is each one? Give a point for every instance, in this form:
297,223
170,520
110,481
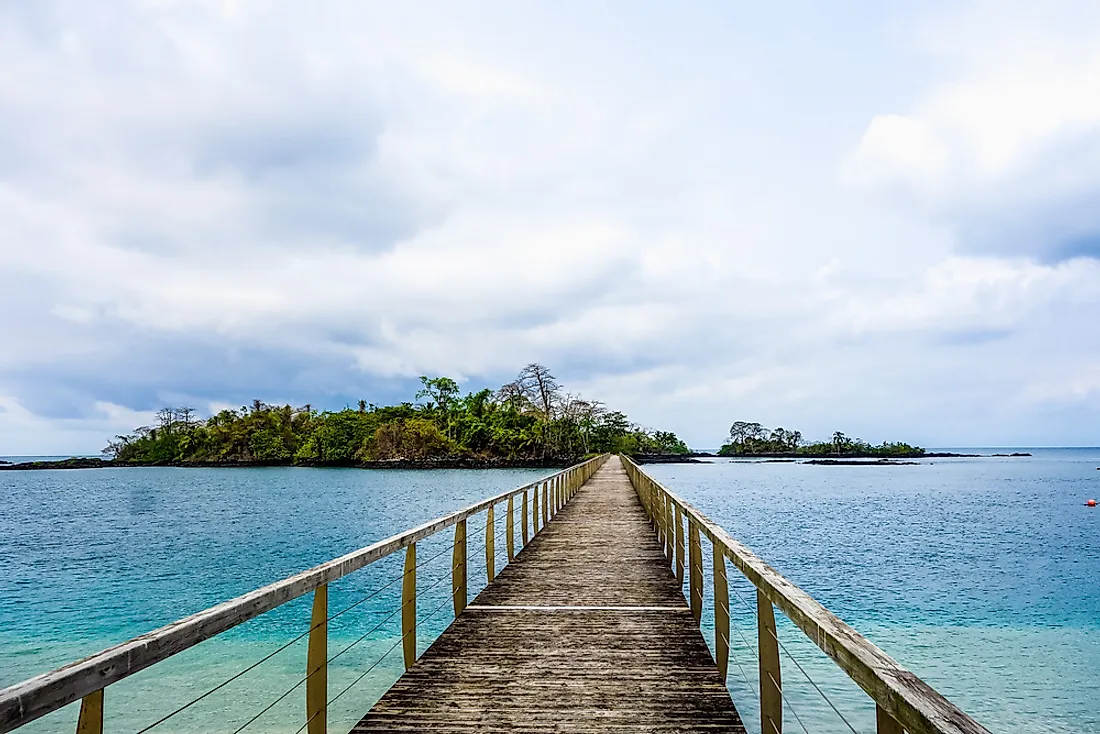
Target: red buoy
1091,503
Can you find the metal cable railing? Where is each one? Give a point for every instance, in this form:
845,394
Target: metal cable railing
801,669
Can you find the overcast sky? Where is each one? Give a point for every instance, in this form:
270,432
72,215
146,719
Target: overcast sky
875,217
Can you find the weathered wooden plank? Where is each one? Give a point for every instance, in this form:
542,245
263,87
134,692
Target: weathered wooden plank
586,631
915,705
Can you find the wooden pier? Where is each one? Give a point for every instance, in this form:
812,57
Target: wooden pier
587,627
587,630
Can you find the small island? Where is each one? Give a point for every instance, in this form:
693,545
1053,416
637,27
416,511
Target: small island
529,422
749,439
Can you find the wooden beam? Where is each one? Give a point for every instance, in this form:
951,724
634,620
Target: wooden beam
90,720
317,664
458,569
771,681
408,607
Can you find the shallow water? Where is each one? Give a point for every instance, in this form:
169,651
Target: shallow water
978,574
90,558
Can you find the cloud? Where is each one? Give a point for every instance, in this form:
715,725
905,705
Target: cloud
210,202
1006,150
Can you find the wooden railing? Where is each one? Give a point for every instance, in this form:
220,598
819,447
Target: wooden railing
903,701
86,679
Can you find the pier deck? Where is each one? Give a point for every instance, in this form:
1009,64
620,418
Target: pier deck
587,630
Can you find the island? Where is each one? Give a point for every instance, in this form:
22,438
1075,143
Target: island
750,439
531,421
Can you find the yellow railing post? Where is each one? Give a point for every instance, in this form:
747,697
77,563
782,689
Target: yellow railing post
679,546
721,612
695,572
510,533
771,682
490,544
458,568
317,664
408,607
523,525
91,714
886,724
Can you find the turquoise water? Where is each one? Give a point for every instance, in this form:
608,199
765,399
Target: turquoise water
90,558
980,575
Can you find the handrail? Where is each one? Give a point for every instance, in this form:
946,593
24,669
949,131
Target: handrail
909,701
35,697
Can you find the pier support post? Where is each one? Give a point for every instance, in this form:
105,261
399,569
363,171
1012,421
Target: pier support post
886,724
721,613
771,682
695,556
523,511
408,607
679,546
510,532
458,568
91,714
490,544
317,664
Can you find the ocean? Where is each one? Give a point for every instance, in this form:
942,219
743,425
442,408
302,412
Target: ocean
980,575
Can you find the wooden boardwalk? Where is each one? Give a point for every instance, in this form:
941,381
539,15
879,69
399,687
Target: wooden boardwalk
586,630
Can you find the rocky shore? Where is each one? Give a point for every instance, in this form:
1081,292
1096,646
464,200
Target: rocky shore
457,462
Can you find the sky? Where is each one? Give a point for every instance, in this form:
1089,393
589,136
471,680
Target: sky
874,217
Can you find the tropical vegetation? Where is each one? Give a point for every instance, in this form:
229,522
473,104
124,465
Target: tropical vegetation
531,418
753,439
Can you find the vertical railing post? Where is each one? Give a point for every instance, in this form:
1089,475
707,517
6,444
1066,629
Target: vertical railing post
490,544
317,664
458,568
721,612
408,607
695,572
771,682
679,546
510,533
91,714
523,525
886,724
535,510
545,502
666,526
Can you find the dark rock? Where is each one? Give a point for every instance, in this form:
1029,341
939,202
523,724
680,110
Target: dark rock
670,458
73,463
847,462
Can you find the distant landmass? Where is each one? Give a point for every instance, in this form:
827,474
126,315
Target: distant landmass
531,421
748,438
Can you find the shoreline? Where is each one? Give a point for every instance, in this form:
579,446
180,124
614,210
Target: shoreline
439,463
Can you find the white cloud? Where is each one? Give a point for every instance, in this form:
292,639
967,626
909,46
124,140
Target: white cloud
210,202
1006,149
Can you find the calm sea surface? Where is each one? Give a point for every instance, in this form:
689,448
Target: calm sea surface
980,575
